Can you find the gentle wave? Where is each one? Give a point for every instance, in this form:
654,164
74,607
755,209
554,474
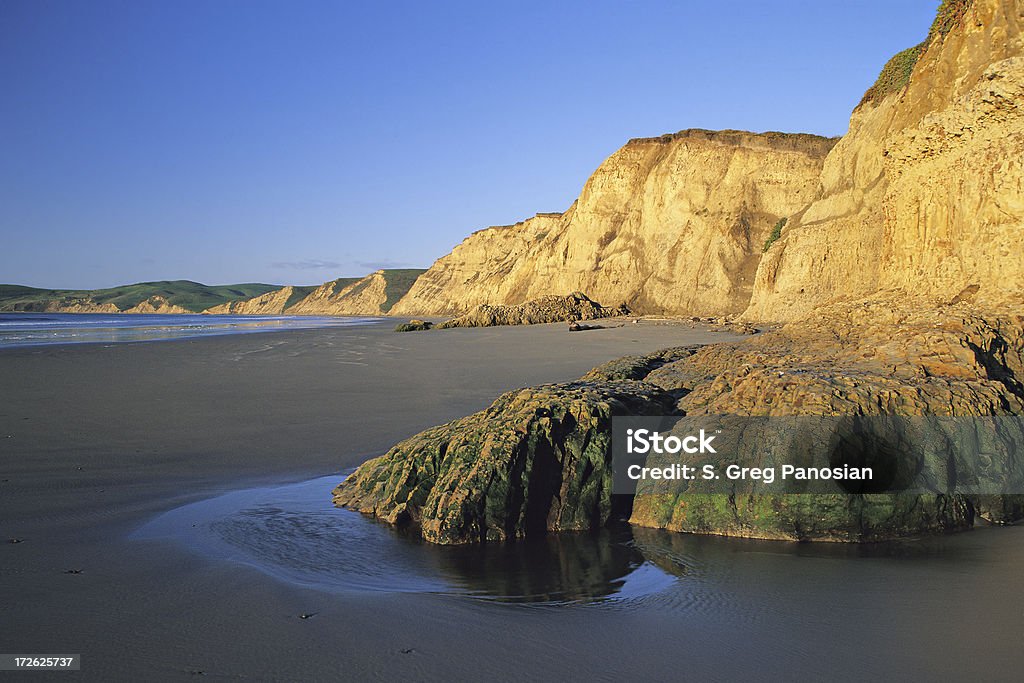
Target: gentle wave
29,329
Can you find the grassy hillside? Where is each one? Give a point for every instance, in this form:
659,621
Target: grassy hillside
193,296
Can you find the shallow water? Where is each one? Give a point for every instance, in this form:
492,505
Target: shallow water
34,329
294,533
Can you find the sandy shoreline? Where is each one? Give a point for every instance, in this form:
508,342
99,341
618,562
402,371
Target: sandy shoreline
96,439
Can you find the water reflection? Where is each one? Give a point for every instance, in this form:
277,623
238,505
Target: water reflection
555,568
295,534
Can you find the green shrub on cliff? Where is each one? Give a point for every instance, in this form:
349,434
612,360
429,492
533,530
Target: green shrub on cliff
776,234
897,71
948,17
895,74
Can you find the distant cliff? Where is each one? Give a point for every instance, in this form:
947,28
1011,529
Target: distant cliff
669,224
374,294
271,303
169,296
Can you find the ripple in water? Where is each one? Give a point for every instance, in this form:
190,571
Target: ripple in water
295,534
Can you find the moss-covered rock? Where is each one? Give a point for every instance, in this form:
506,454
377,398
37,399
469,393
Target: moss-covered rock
537,460
413,326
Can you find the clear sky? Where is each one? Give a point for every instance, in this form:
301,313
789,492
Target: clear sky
298,141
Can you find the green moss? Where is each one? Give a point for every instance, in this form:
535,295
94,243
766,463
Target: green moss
897,71
776,234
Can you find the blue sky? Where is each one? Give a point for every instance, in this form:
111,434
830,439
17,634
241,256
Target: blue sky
294,142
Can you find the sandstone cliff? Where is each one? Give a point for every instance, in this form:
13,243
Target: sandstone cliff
669,224
72,306
924,193
157,304
344,296
271,303
374,294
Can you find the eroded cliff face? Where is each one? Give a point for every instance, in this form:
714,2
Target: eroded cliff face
271,303
374,294
669,224
924,194
77,306
157,304
917,223
341,297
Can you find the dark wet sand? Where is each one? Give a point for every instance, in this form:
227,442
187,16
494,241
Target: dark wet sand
95,440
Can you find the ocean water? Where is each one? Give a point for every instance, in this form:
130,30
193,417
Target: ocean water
34,329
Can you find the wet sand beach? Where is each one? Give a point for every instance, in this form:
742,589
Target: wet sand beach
96,441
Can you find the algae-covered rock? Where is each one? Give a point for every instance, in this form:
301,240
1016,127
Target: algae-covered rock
537,460
413,326
805,516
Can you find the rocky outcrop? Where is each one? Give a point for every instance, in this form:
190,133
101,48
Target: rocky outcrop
414,326
924,192
539,459
871,358
548,309
669,224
